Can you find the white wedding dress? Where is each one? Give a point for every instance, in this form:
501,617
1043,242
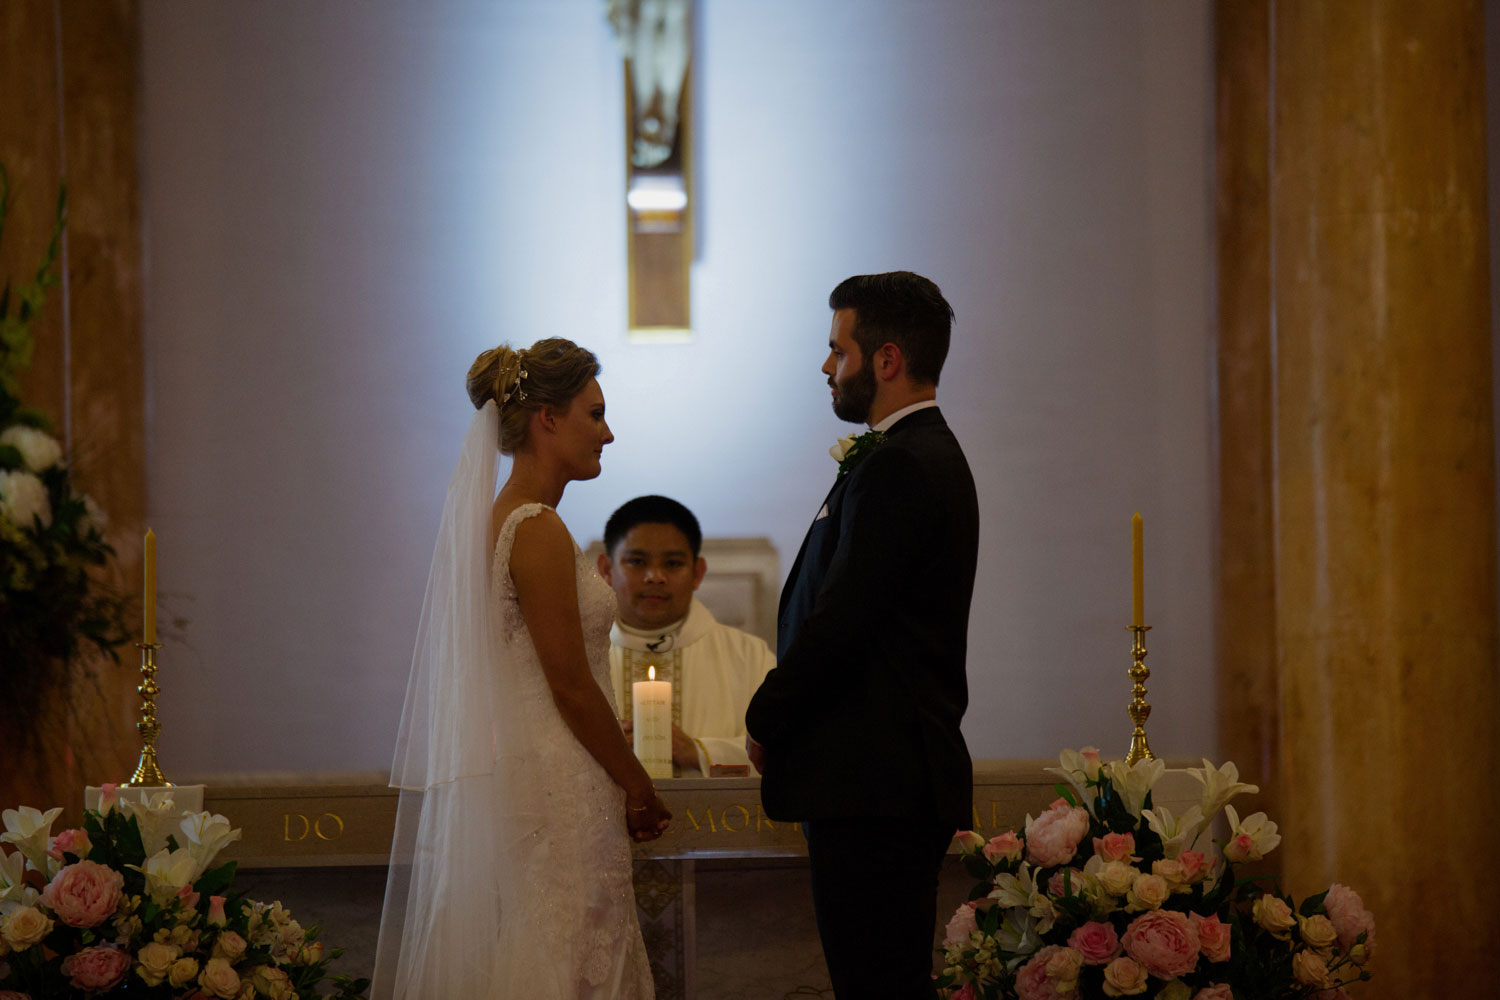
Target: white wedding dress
510,874
573,931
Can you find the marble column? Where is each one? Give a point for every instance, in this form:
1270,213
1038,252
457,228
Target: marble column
1377,410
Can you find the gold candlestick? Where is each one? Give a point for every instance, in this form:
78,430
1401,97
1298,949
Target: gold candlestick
147,773
1139,711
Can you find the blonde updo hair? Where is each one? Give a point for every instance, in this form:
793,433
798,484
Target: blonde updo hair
548,373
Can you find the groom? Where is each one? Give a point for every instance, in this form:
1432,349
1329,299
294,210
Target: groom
857,728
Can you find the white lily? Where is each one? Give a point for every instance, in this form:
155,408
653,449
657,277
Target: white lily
1020,891
1177,833
1258,830
156,814
1019,933
12,874
207,834
1133,782
167,873
30,830
1078,767
1220,784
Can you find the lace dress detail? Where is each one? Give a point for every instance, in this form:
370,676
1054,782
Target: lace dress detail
568,926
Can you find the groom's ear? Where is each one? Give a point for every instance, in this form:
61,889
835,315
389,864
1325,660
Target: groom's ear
889,362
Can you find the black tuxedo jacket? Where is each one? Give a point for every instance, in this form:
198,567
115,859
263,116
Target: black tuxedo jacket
861,715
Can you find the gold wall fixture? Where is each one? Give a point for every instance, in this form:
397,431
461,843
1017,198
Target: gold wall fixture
655,38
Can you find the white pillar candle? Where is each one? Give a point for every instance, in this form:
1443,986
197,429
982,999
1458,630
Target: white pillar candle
651,709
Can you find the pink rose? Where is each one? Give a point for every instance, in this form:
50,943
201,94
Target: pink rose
1124,977
1350,919
1073,878
75,842
965,993
1006,847
189,897
968,841
1213,936
96,969
961,926
1194,866
1164,942
1215,991
1241,848
271,982
216,917
1115,847
1052,838
219,979
1034,983
84,894
230,946
1310,969
107,797
1096,941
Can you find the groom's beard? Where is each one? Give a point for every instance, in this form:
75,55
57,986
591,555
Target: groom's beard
855,395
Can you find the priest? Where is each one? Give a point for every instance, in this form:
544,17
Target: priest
651,560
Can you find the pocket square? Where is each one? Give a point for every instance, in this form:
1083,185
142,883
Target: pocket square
822,513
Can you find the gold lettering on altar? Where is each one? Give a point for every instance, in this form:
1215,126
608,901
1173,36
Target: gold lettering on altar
328,826
762,821
708,814
724,819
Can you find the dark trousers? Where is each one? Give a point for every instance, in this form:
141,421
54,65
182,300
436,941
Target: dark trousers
874,887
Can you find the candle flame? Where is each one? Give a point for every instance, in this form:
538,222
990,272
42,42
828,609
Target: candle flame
651,673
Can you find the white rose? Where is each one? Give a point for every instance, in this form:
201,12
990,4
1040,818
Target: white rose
94,518
25,926
219,979
23,499
40,451
841,449
155,960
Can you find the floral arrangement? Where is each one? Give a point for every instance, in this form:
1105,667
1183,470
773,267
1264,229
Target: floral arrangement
51,536
132,905
1104,895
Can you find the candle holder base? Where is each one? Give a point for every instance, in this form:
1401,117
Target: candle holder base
1140,711
148,772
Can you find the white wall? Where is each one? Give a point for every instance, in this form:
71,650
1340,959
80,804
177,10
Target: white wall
346,201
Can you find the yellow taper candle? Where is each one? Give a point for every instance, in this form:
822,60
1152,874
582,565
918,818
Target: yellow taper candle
148,632
1137,573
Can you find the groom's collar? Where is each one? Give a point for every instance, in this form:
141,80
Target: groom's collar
891,419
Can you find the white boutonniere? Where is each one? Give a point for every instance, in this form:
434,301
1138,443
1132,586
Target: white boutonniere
851,449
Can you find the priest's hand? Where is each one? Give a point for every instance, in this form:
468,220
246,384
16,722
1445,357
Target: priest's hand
684,749
756,753
646,815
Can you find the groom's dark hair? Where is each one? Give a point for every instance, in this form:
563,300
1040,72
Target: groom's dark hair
899,308
651,509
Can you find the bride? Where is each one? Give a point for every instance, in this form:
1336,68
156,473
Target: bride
511,866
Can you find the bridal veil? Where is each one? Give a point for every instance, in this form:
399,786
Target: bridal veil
444,894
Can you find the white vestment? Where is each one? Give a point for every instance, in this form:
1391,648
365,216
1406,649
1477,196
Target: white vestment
714,669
